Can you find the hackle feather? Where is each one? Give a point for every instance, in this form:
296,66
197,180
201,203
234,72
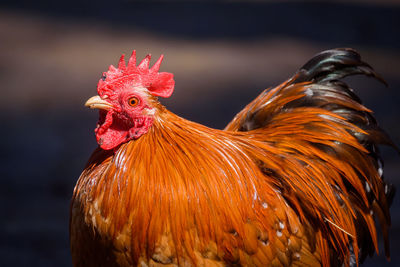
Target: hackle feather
294,179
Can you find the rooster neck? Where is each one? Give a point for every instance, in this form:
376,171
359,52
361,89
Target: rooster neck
179,178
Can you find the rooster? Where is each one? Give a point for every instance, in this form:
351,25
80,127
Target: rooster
295,179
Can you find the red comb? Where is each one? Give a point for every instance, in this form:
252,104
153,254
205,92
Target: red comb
158,83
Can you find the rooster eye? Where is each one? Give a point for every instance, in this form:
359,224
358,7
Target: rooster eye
133,101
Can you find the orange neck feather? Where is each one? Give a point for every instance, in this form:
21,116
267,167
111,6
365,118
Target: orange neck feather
199,185
179,178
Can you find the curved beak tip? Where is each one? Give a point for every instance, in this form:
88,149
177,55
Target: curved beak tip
97,102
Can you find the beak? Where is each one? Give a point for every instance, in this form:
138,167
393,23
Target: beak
97,102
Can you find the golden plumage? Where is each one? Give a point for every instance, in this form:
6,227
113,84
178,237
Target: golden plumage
293,180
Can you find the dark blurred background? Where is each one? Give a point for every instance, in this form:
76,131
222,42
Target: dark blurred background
223,53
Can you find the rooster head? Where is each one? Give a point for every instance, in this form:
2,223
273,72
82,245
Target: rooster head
127,100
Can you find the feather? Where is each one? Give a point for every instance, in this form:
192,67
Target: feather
316,86
295,179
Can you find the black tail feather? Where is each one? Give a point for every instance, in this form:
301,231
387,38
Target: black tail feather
335,64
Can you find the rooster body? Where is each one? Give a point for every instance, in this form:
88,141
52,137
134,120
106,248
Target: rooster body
294,180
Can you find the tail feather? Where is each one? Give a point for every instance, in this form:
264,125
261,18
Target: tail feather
318,85
335,64
327,68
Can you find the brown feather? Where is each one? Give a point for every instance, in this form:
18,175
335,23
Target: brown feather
291,181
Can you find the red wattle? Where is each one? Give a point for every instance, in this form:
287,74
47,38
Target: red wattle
111,138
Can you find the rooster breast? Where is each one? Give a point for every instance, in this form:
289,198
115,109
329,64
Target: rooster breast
194,196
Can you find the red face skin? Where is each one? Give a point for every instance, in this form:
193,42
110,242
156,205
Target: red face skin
130,117
126,100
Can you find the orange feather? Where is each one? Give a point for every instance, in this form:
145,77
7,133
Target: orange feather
292,180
